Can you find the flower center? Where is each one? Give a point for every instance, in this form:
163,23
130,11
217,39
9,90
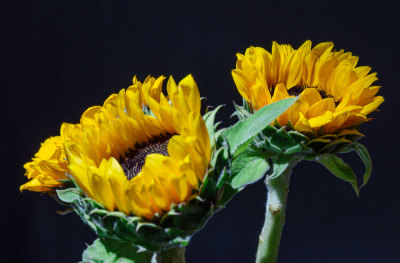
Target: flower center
296,91
134,160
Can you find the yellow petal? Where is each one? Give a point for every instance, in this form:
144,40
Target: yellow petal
291,70
367,95
177,148
154,90
319,108
41,183
367,109
276,61
172,88
191,92
310,95
117,179
179,101
337,121
354,120
181,187
280,93
260,95
87,118
356,87
302,124
241,82
320,120
298,107
320,52
161,200
100,186
137,203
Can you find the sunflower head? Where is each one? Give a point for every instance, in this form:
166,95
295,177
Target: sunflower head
334,94
146,161
140,163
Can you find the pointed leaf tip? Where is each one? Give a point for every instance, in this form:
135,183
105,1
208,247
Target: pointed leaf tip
364,155
244,131
249,167
340,169
108,250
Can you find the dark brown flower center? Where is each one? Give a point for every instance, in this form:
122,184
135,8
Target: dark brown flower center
297,90
134,160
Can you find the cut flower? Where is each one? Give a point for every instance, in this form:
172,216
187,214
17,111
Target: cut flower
334,94
140,163
144,170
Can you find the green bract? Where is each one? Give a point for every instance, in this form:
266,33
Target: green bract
269,149
164,232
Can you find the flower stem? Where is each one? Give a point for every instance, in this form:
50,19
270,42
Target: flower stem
175,255
271,233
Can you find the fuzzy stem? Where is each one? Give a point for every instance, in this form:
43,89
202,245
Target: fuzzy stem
175,255
271,233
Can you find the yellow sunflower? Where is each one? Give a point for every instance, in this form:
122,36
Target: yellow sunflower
334,94
47,167
141,151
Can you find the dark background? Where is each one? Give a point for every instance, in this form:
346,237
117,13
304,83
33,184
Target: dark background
60,57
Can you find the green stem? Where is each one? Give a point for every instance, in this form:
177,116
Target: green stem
175,255
271,233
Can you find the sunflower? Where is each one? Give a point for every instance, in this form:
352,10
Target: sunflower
47,168
334,94
141,151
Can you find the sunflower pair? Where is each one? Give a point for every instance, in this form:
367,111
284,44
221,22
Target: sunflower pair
145,171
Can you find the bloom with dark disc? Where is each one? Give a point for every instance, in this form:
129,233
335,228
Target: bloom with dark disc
140,163
144,170
334,93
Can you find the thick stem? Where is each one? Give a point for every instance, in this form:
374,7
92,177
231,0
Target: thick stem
271,233
175,255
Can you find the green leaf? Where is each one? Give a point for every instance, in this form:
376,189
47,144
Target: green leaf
362,151
69,195
249,167
240,111
244,131
340,169
246,105
112,251
280,165
209,119
223,176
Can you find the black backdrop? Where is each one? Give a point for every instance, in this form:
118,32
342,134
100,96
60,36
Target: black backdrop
61,57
